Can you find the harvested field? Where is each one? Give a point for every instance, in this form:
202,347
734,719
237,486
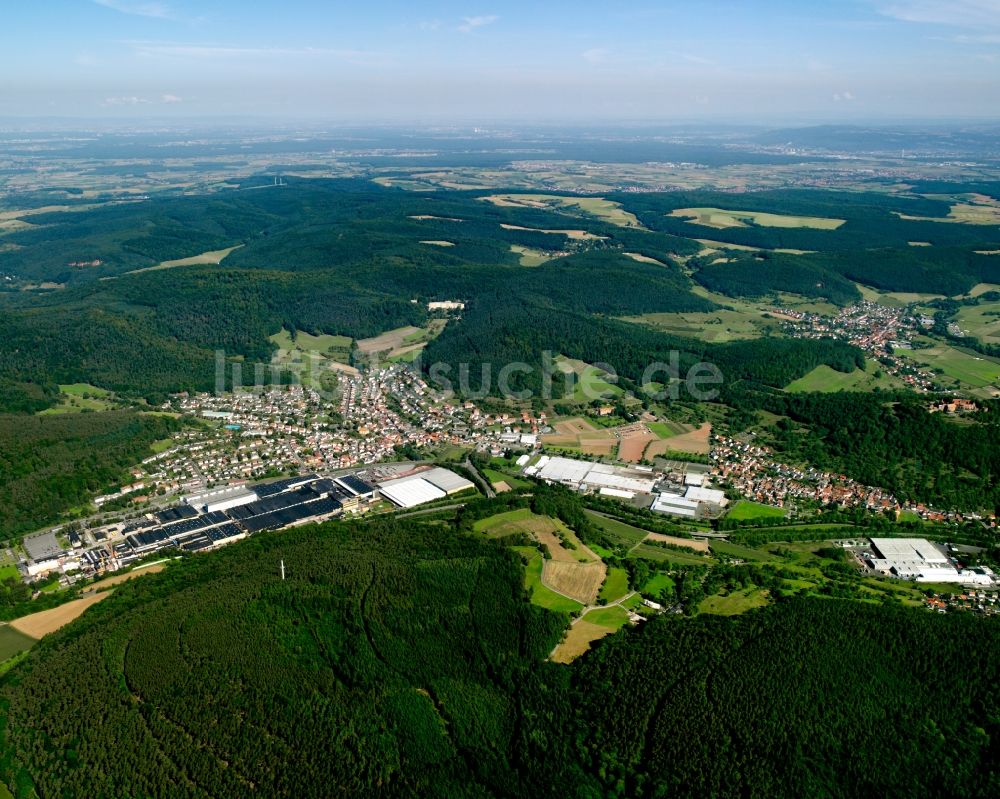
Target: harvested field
632,447
392,340
578,640
439,243
581,581
721,218
48,621
426,217
697,546
107,582
576,235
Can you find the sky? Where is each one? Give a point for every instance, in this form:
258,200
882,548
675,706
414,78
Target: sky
469,60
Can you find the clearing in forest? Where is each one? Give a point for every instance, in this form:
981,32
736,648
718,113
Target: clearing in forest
721,218
605,210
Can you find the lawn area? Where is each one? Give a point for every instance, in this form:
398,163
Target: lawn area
9,571
734,603
754,510
612,618
655,584
615,584
162,445
624,535
12,642
541,595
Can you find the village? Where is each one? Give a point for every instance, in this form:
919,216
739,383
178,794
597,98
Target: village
877,330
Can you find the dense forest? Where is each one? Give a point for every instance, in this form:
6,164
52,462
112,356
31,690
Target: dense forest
349,257
403,659
52,464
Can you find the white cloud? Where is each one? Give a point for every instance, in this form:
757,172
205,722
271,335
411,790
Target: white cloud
138,9
469,24
843,96
966,13
112,101
430,25
169,99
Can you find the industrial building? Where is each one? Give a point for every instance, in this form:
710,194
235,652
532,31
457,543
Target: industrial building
588,476
423,487
221,499
675,505
920,560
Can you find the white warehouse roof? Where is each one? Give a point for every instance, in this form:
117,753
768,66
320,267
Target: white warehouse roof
408,492
449,482
675,505
909,549
712,495
563,470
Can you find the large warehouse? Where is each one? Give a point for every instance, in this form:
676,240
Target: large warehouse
592,476
916,559
422,487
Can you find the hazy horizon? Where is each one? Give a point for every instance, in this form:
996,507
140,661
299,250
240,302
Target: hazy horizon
716,61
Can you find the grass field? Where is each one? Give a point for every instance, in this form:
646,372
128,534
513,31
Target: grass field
593,626
532,257
574,234
746,553
541,595
753,510
967,367
721,219
624,535
824,379
714,326
79,397
734,603
307,350
13,641
981,321
590,381
663,555
504,523
212,258
605,210
655,584
615,585
499,477
438,243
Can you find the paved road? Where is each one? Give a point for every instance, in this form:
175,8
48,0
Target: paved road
484,484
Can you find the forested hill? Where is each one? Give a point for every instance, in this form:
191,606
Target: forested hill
403,659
